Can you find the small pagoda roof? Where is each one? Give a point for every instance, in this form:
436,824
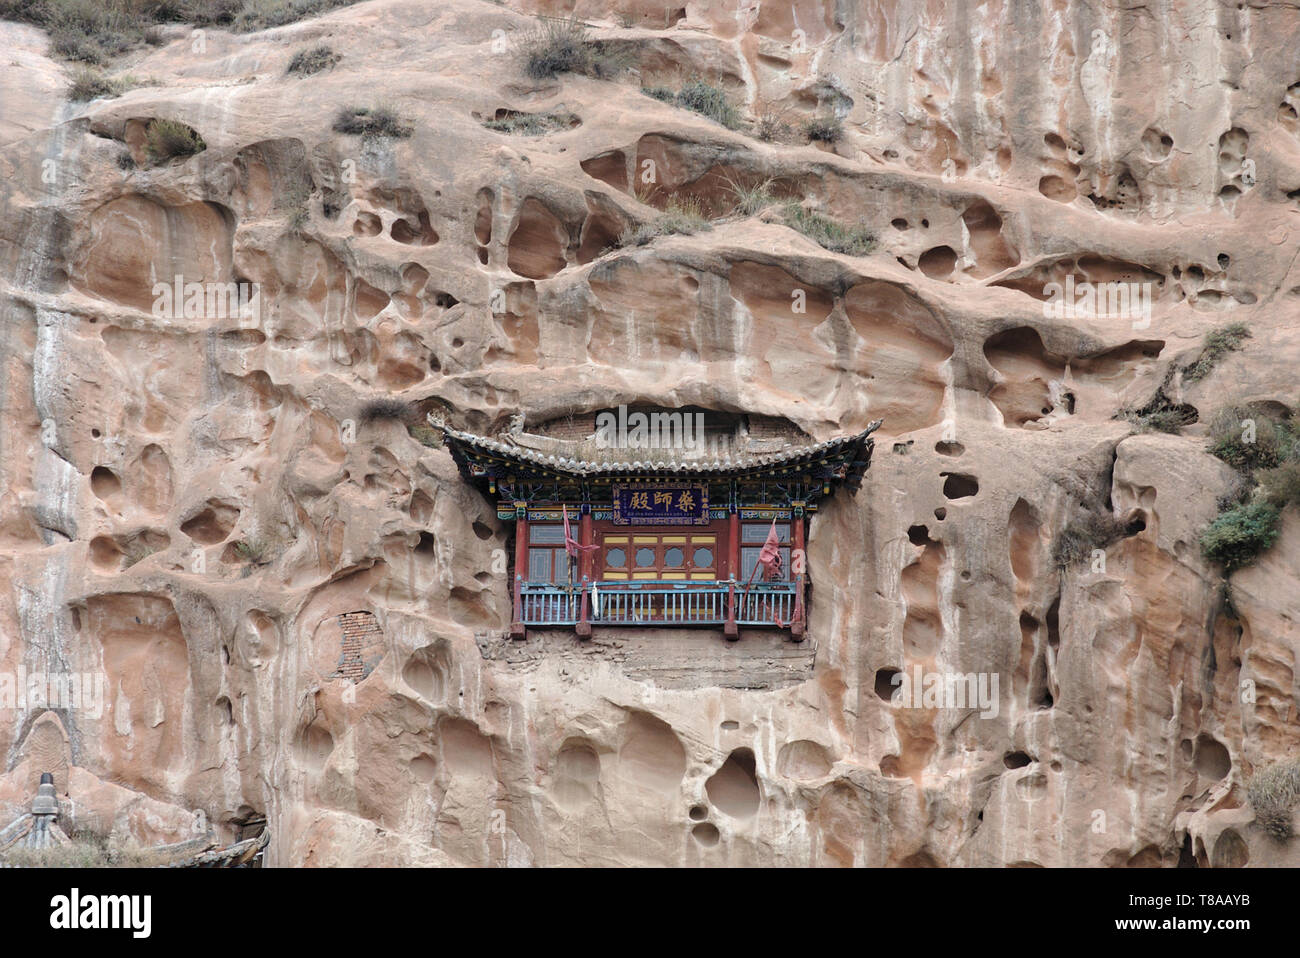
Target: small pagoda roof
844,459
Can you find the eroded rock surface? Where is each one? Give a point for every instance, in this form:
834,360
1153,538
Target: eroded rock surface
189,502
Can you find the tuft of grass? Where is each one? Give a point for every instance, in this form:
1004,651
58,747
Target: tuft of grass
1092,531
825,129
1218,343
710,101
168,139
314,60
125,161
680,217
368,123
386,409
751,199
90,84
557,45
773,124
1274,792
856,240
661,93
1241,534
254,550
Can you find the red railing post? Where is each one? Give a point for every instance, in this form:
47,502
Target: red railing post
730,629
517,629
799,561
585,568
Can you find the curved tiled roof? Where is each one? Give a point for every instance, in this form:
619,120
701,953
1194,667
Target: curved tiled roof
584,468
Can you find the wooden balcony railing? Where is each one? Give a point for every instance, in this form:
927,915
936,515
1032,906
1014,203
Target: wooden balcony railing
659,603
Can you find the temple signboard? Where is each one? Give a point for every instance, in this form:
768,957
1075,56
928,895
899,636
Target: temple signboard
661,504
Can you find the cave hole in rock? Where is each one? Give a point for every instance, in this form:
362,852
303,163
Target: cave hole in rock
958,485
949,447
941,513
226,711
698,813
1054,624
706,833
1230,851
938,263
733,788
1212,758
104,483
899,224
1016,759
885,683
95,433
918,535
482,530
730,726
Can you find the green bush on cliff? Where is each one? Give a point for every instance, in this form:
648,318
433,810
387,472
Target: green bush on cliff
857,240
1240,534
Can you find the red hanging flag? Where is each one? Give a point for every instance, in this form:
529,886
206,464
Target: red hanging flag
572,545
769,557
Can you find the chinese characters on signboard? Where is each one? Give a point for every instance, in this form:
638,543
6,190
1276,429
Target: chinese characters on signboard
661,505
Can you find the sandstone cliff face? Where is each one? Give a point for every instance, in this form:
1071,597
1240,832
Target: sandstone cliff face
994,147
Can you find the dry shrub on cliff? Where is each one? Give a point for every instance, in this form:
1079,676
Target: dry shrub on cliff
1092,531
318,58
1280,485
168,139
366,122
1249,438
856,240
826,129
556,45
772,124
1218,343
1274,792
89,84
532,124
92,31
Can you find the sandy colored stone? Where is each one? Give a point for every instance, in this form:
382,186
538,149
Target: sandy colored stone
993,150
